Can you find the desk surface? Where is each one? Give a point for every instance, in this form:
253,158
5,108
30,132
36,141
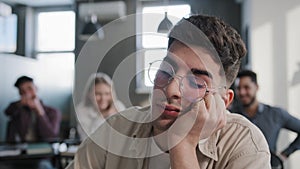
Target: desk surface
25,151
34,151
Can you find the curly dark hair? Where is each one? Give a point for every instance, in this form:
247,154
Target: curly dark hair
215,36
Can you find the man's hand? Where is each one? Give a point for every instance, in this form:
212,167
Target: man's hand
36,105
203,119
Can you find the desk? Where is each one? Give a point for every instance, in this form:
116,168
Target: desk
28,155
25,150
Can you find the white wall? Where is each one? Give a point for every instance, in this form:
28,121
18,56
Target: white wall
274,31
52,75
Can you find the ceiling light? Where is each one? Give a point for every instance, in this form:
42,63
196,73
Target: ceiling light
165,25
92,29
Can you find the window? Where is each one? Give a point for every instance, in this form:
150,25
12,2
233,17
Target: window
55,44
152,44
55,31
8,33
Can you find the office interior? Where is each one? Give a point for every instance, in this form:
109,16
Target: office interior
270,28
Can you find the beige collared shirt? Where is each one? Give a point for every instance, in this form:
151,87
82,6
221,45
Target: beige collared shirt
125,142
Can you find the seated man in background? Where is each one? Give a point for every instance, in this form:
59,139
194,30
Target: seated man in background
269,119
29,119
187,125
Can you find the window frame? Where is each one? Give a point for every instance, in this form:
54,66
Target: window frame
39,10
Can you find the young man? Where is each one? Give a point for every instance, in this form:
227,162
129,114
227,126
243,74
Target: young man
30,119
268,118
187,125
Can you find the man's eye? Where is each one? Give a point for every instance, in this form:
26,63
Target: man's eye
247,87
162,78
201,86
195,82
161,74
196,85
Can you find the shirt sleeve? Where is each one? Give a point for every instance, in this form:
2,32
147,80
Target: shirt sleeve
247,147
293,124
13,109
254,160
49,123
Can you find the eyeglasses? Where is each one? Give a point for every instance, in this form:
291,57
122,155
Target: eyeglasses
192,88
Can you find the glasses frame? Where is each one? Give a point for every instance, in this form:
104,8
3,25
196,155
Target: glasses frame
207,89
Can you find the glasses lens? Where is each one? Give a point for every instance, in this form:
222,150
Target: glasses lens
160,73
193,88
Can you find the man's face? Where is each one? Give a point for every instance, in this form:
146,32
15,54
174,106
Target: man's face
28,90
168,102
246,90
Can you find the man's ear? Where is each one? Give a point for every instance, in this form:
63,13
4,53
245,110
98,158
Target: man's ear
228,98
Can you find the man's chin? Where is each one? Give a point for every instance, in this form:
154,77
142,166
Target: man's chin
163,124
248,103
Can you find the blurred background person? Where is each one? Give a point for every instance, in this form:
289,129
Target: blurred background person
29,119
268,118
99,101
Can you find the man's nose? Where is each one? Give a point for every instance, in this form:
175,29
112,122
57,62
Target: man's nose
172,90
241,91
27,95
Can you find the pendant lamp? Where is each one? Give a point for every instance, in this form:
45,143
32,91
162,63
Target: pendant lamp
165,25
92,28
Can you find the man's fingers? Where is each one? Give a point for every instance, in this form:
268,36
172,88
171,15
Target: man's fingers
216,114
220,111
201,119
208,101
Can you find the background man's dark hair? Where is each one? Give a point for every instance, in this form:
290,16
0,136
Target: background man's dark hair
22,80
248,73
226,41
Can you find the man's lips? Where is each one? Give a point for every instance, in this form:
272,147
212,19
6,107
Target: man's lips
171,111
244,98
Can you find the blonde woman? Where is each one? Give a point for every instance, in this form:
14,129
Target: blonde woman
98,102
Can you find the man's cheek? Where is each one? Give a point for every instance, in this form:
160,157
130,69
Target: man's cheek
158,99
158,94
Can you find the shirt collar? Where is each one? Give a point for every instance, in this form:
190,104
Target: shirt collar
260,109
209,147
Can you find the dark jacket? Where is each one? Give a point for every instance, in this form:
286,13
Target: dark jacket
46,126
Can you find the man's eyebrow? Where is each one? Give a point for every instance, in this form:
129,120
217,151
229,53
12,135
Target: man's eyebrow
201,72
